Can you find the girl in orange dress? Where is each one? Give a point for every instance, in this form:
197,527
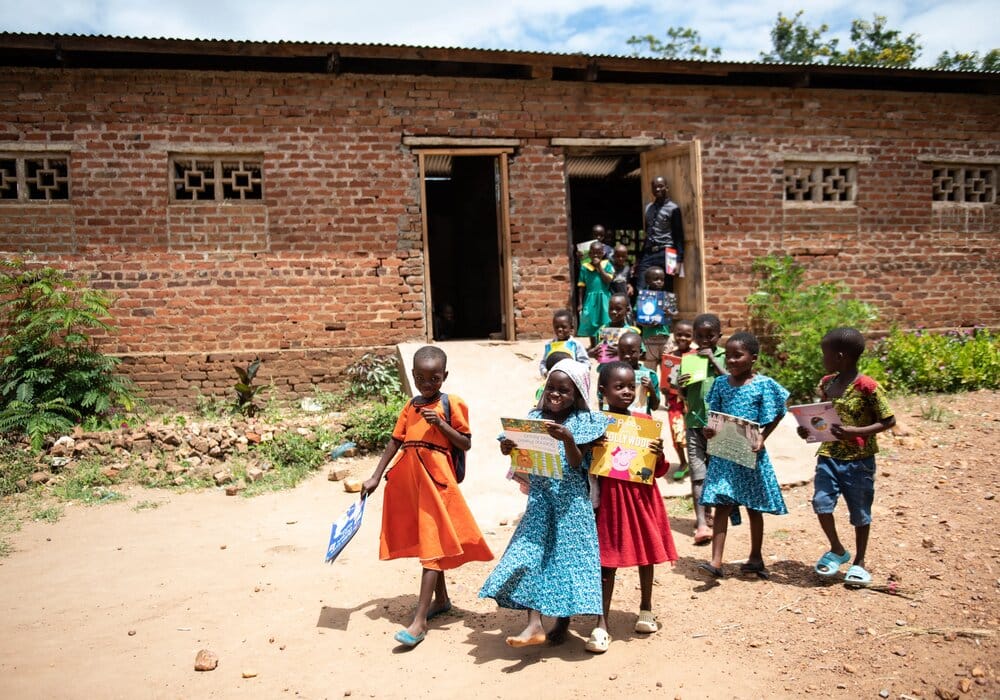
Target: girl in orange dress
424,514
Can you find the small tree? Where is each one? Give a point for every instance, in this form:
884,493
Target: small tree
969,61
682,42
52,374
874,45
791,318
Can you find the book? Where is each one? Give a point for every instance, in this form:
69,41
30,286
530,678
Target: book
817,419
733,439
607,339
625,453
344,529
535,452
583,247
695,366
650,308
670,264
670,366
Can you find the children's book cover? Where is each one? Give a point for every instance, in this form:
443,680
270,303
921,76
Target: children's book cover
607,338
817,419
670,264
670,366
625,453
536,451
695,366
344,529
650,308
733,439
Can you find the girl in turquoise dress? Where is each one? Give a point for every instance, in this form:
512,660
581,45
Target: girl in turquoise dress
552,565
595,279
745,394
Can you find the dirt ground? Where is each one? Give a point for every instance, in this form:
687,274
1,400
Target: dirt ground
115,601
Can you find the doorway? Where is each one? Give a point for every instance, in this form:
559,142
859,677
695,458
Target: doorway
465,245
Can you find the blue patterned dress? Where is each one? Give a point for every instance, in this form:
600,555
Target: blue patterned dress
761,400
553,561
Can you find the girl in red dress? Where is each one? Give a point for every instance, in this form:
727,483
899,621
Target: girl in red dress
632,524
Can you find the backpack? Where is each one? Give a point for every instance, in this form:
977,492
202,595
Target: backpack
457,454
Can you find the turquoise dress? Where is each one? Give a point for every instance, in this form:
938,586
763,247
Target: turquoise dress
553,561
761,400
596,295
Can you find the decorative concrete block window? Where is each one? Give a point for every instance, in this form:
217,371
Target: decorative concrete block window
964,184
34,177
820,183
216,178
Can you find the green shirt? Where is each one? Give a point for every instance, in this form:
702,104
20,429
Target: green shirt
697,414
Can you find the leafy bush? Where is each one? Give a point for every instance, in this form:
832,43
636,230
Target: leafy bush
52,374
791,318
15,464
916,361
370,426
374,377
246,392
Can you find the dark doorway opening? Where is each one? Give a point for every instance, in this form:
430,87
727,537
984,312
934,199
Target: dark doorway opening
464,246
605,190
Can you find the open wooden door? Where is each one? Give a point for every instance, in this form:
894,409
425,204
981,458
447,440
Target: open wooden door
680,164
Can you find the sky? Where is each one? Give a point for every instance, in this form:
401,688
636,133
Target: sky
740,28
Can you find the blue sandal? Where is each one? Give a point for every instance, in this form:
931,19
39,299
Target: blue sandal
857,576
407,639
829,564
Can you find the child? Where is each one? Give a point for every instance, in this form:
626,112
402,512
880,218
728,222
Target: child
629,351
707,331
599,234
607,349
745,394
562,327
655,336
552,564
595,279
632,524
848,466
424,514
681,345
550,362
623,271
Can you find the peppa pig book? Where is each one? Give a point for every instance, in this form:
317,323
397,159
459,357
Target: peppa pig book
625,453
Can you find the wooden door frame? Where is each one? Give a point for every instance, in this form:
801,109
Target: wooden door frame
506,271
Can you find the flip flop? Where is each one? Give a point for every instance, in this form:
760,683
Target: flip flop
759,569
680,474
829,564
857,576
439,611
716,573
407,639
599,641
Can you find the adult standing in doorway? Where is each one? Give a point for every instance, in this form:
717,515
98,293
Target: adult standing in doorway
664,229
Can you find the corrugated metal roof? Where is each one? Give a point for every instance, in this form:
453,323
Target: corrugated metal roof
494,51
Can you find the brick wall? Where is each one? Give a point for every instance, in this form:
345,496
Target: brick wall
329,264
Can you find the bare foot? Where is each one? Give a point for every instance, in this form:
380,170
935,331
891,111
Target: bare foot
702,535
526,640
557,635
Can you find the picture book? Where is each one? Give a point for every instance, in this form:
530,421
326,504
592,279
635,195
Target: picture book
695,366
536,451
344,529
670,264
733,439
607,339
625,453
670,369
650,308
817,419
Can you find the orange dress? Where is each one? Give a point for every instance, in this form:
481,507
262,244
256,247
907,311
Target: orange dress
424,514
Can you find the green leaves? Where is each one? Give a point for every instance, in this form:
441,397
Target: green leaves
682,43
245,391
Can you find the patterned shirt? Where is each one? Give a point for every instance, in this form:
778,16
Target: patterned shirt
862,403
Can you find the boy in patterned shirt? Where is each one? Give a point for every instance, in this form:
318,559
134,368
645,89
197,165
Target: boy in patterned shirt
847,466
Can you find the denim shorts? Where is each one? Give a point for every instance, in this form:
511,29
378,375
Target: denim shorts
854,479
697,449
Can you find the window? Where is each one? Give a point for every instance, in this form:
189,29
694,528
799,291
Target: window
216,178
28,178
827,183
968,184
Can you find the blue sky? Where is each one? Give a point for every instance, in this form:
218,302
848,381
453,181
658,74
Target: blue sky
585,26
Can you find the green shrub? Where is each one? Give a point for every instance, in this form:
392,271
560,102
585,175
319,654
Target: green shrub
370,426
374,377
916,361
52,374
293,457
791,318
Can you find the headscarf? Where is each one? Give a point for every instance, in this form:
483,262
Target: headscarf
579,374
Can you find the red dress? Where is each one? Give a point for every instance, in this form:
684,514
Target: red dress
632,524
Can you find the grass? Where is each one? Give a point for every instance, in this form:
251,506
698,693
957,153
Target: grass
677,507
934,412
87,484
49,514
16,463
147,505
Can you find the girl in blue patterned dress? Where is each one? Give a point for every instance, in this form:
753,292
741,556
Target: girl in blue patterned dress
552,565
745,394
